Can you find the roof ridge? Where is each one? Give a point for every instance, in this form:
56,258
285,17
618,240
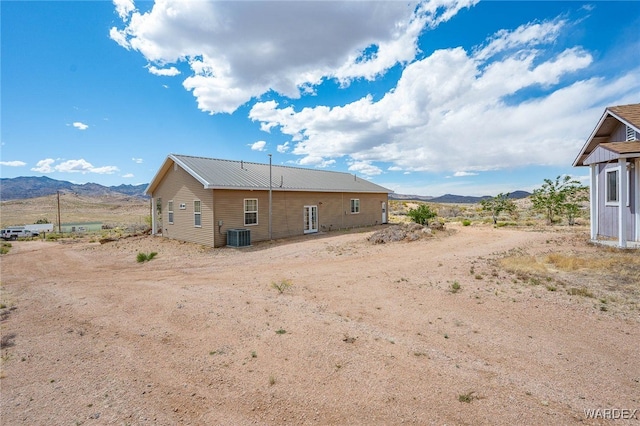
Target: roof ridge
261,164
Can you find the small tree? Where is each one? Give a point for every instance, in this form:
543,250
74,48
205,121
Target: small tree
497,205
422,214
561,196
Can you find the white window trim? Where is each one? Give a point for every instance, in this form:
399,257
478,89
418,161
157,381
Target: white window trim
356,205
245,211
197,214
606,187
170,216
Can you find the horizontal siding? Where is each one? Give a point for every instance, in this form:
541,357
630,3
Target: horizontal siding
181,187
288,212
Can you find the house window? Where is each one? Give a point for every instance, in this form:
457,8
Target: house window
170,211
355,205
612,182
251,211
197,217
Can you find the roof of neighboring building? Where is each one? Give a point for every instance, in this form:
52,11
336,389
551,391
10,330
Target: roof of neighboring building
612,117
215,173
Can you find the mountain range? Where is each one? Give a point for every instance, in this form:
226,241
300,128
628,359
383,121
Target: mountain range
31,187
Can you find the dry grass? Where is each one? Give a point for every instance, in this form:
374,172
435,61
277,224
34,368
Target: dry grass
114,211
606,274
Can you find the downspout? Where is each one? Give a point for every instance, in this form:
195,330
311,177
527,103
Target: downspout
622,205
593,204
154,226
636,196
270,200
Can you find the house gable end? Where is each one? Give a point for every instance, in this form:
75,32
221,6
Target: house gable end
608,128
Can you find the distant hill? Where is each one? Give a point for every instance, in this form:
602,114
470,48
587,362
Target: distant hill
31,187
454,199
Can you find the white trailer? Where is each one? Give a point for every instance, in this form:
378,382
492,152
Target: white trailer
40,227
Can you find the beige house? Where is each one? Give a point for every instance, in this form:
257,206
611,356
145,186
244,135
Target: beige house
207,201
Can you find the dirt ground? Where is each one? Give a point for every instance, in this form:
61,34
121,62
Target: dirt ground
366,334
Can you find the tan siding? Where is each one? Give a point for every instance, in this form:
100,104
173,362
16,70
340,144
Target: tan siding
288,209
180,187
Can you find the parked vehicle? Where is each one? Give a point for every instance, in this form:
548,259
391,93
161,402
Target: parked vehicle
12,234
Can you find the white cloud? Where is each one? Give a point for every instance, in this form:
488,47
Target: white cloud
167,72
80,125
452,110
137,160
240,50
13,163
124,8
72,166
44,166
462,174
283,148
365,168
258,146
128,176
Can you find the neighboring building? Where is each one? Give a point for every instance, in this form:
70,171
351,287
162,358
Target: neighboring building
613,154
80,227
200,200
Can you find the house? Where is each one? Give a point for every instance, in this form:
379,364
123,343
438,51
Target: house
205,200
612,152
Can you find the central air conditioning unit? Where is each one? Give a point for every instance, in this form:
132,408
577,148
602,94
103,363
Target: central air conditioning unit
238,237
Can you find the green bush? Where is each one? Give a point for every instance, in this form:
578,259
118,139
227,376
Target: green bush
422,214
144,257
466,222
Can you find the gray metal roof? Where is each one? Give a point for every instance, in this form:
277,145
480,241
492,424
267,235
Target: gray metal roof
227,174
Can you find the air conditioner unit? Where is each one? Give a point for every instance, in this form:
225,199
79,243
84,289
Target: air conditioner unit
238,237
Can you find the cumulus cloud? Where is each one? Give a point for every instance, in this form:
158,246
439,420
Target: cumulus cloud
137,160
167,72
13,163
283,148
128,176
241,50
72,166
457,109
453,110
365,168
124,8
258,146
80,125
44,166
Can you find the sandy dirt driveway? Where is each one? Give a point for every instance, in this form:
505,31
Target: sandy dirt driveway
366,334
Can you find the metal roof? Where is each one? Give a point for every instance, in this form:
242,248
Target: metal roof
626,114
228,174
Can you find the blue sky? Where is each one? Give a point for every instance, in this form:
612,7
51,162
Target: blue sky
428,98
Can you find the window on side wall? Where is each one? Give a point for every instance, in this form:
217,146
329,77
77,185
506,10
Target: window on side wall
611,183
355,205
170,211
197,216
251,211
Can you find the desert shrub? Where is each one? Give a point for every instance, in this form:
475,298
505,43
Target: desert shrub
466,222
422,214
144,257
282,286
